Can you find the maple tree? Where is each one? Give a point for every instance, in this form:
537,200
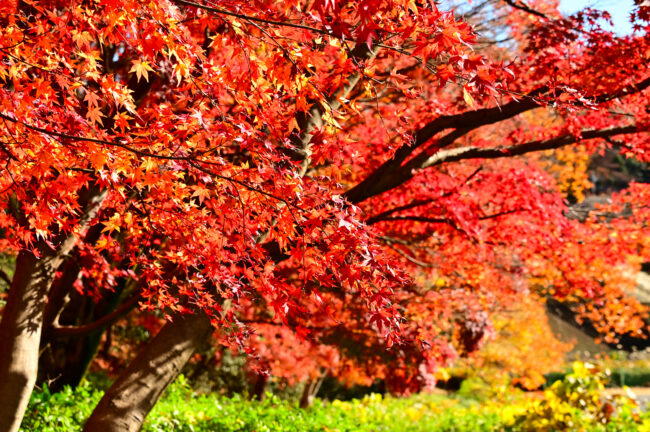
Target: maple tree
291,164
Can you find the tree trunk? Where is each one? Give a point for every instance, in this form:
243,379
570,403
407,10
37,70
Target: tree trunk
310,391
259,390
22,318
128,401
20,332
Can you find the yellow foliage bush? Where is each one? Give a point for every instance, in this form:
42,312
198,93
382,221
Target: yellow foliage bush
576,403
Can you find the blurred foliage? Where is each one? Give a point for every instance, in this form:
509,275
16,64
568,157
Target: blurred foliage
7,264
625,369
333,389
219,371
523,350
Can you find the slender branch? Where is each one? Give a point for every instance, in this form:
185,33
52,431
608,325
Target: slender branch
524,7
469,152
192,160
58,330
93,140
418,203
250,18
407,256
446,220
418,219
499,214
383,215
281,324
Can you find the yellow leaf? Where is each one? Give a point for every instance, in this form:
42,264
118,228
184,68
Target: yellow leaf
149,165
141,69
113,224
180,70
469,100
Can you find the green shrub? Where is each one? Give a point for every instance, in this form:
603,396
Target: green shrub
552,377
63,411
631,377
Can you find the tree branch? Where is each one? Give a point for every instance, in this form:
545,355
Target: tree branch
469,152
392,173
418,203
524,7
446,221
191,160
104,321
93,140
249,18
307,123
410,258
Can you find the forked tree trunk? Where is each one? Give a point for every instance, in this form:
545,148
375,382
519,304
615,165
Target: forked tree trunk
20,332
310,391
128,401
